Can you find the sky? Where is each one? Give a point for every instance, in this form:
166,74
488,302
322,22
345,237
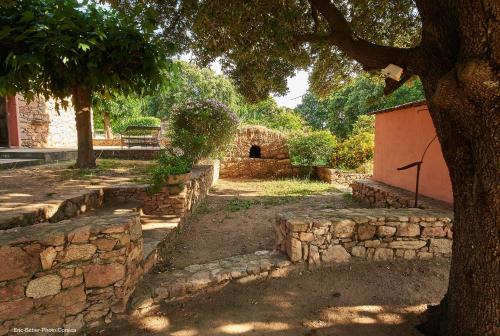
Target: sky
297,85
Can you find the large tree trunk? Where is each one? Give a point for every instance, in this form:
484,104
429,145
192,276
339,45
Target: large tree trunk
464,102
472,303
108,132
82,102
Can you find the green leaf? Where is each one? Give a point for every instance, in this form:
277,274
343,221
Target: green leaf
83,46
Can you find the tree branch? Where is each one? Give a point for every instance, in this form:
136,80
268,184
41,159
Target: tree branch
370,55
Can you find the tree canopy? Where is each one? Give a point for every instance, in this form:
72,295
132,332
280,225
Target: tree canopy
49,47
453,46
339,110
74,48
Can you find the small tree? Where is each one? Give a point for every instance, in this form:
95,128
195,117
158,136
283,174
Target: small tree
203,128
67,48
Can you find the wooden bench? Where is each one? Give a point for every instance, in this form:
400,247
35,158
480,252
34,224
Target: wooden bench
141,136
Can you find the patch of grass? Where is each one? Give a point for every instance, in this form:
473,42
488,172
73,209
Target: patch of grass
280,187
349,197
237,204
110,167
203,208
274,201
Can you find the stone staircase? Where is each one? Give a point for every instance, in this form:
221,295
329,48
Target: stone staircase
23,157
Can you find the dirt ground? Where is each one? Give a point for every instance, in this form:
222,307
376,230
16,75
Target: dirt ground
238,216
24,189
356,299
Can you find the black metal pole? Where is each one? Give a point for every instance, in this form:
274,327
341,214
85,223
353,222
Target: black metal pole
416,186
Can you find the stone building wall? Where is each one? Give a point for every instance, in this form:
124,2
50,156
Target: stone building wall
73,274
274,157
42,125
374,234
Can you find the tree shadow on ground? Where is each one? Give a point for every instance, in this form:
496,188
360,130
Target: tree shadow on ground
357,299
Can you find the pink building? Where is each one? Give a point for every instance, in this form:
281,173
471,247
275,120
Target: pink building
401,135
36,124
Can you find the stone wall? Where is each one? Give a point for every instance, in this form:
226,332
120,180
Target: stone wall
171,200
272,143
330,175
257,168
374,234
150,153
42,125
116,142
55,210
73,274
380,195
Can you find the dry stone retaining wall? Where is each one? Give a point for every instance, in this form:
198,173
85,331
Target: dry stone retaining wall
330,175
73,274
55,211
380,195
374,234
175,200
257,168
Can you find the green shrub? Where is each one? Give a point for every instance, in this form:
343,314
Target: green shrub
122,124
353,152
357,149
203,128
167,164
312,149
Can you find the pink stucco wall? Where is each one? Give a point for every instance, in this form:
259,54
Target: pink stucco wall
401,136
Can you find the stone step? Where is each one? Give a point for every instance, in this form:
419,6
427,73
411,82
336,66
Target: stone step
46,154
19,163
154,230
195,279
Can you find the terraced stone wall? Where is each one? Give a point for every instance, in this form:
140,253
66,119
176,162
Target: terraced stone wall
55,211
175,200
72,275
374,234
330,175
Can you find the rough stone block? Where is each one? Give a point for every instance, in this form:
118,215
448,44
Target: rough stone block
15,263
408,230
372,243
15,309
79,252
103,275
383,253
306,236
343,228
297,225
358,251
386,231
407,244
294,249
79,235
433,232
47,257
335,253
44,286
366,232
